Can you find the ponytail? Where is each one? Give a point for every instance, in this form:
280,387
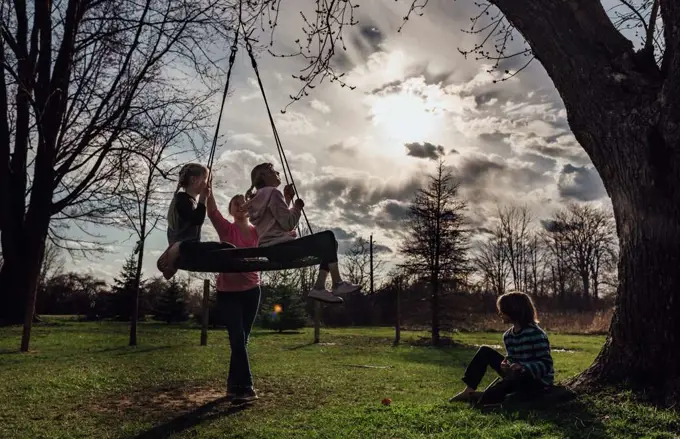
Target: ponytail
249,193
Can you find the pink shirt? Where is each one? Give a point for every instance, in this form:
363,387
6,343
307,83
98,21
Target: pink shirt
231,233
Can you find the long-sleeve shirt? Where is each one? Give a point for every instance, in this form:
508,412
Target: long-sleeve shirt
231,233
272,217
530,348
185,218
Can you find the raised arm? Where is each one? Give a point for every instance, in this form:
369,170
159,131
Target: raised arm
220,223
287,218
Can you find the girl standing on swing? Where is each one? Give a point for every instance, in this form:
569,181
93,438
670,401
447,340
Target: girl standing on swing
274,219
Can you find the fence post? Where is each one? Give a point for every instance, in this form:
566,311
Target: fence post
317,322
206,310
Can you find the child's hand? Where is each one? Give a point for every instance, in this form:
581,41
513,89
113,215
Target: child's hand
505,365
299,204
289,193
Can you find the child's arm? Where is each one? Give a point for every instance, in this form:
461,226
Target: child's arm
187,211
287,218
220,223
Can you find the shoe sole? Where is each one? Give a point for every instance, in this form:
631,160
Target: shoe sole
240,401
358,288
324,300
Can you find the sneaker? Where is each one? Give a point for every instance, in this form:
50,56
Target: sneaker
466,397
345,288
324,295
245,396
167,263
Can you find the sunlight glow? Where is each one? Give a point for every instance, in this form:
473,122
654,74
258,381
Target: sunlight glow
405,117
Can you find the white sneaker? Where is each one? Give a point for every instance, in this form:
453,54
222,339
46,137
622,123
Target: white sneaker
345,288
324,296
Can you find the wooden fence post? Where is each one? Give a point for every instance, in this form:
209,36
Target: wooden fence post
206,310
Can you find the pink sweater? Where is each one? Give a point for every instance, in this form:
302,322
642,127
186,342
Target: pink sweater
231,233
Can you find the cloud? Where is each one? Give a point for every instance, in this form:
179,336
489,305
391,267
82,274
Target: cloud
295,123
320,106
343,148
424,150
581,183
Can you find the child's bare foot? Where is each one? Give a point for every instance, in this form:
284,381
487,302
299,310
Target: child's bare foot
167,263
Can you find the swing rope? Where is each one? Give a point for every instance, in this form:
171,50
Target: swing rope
232,59
279,146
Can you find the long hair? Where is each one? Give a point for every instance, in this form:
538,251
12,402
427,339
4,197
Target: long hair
189,170
518,307
256,178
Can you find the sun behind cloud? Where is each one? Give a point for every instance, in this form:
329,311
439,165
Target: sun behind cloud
405,117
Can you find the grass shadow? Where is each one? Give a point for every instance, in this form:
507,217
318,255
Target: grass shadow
204,413
574,418
300,346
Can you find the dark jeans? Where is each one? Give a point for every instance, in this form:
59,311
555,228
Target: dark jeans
215,257
511,382
322,245
238,310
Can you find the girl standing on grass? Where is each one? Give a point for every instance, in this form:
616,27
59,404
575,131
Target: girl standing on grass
527,368
275,219
238,296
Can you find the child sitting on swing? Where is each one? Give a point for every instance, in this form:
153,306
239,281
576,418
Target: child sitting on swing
528,367
274,219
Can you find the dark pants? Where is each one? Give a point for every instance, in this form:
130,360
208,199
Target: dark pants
322,245
511,382
238,310
215,257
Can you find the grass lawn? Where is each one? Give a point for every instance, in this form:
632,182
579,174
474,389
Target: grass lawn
82,381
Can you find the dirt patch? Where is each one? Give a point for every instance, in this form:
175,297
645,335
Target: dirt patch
164,401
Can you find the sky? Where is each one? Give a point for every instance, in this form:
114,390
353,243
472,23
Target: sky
358,156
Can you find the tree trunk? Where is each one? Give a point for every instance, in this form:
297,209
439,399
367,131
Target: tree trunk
434,284
397,323
135,298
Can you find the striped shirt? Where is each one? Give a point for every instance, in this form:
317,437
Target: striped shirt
530,347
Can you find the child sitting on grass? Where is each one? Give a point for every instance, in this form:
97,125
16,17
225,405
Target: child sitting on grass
528,366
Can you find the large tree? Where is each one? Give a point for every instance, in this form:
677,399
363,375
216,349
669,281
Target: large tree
623,106
79,79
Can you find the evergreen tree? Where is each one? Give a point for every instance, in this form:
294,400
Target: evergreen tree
173,304
283,309
123,290
439,242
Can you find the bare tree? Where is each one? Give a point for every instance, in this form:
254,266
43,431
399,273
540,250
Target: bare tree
356,263
514,225
143,192
439,243
491,262
588,235
52,264
79,79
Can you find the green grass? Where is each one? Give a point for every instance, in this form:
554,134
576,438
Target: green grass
82,381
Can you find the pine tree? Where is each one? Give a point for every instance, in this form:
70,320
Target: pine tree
173,304
123,290
283,310
439,242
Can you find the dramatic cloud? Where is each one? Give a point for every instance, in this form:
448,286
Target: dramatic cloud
425,150
581,183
